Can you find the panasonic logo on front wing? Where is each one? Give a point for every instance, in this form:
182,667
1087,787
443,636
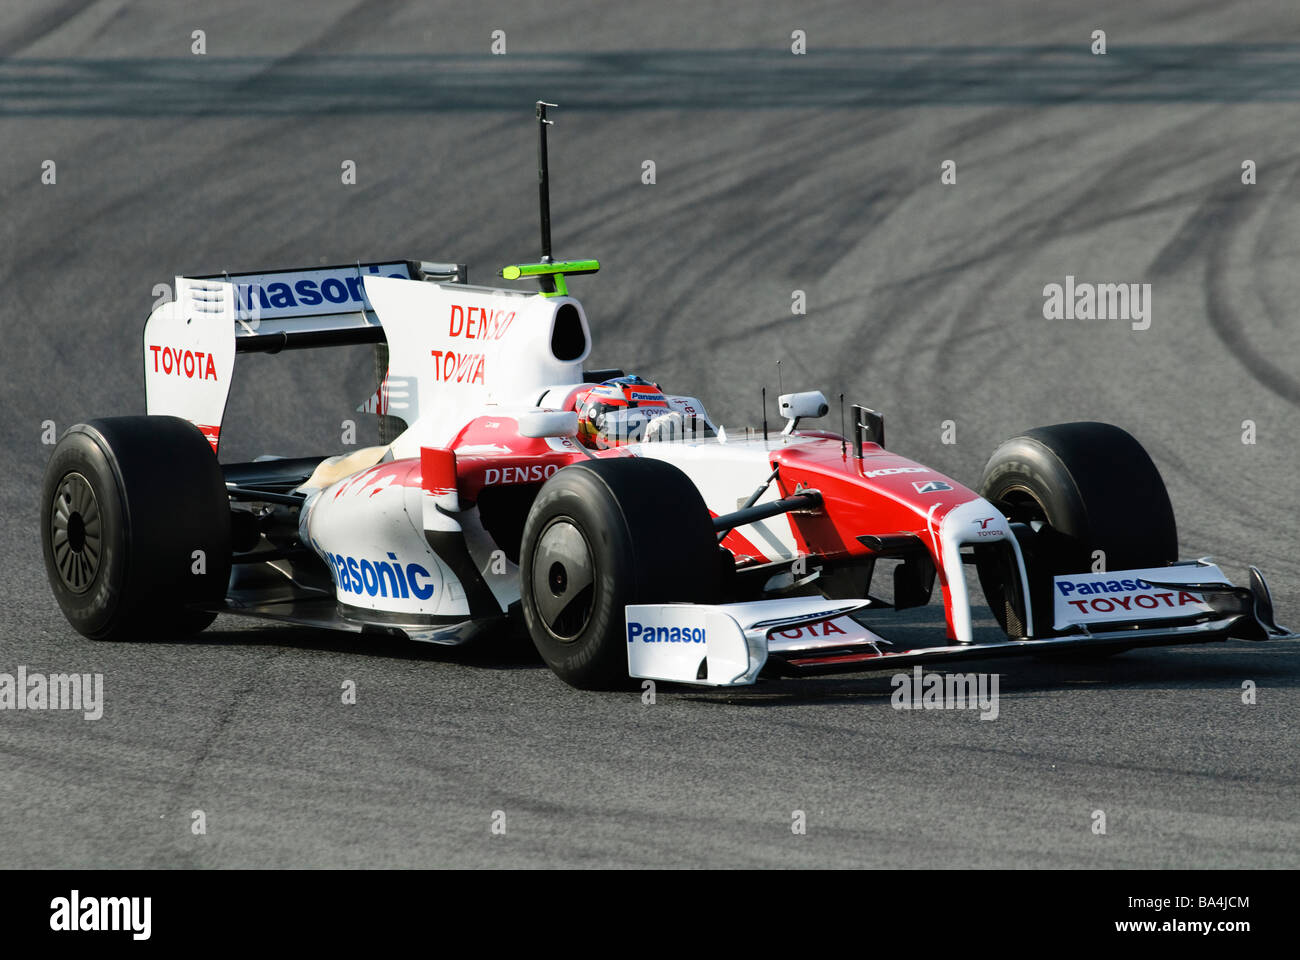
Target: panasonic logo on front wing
648,633
380,577
1102,586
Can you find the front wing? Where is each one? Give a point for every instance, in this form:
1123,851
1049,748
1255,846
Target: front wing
731,644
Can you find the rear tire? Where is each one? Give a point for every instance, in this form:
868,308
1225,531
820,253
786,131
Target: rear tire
125,504
1086,487
601,535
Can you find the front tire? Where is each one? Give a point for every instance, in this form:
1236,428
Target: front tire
601,535
1079,488
135,528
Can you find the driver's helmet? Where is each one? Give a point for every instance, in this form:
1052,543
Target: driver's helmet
618,411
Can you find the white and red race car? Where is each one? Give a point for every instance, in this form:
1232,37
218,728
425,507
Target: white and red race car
680,554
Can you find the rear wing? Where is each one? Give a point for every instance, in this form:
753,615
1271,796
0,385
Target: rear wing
452,348
189,349
316,307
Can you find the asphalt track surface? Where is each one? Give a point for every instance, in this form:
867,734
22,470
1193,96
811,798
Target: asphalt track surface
774,173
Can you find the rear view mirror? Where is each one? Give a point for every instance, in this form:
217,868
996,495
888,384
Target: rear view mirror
549,423
798,406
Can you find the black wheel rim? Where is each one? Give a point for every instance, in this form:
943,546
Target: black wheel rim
76,533
1021,506
563,580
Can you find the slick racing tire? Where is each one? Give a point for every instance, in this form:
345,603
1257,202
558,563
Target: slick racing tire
601,535
1079,488
127,503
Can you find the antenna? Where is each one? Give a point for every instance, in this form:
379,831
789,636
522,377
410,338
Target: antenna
843,434
549,273
780,390
765,414
544,185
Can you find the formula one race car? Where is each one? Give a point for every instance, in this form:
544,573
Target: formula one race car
630,535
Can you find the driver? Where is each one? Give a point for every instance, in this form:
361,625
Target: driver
625,410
